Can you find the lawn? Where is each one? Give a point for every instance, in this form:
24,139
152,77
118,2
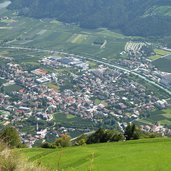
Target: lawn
141,155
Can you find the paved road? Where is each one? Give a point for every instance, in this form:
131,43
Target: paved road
98,61
134,73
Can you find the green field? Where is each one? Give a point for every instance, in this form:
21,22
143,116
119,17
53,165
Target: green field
54,35
72,121
141,155
161,116
158,54
11,88
160,10
163,64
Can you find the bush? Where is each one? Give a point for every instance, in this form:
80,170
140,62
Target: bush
64,141
101,136
114,136
7,162
81,140
10,160
150,135
48,145
10,136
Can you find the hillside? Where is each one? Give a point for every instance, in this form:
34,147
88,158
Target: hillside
132,17
142,155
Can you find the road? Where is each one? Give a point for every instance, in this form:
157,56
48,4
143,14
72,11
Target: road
134,73
98,61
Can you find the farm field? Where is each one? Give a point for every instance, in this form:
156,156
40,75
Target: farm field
141,155
163,64
159,53
11,88
72,121
54,35
161,116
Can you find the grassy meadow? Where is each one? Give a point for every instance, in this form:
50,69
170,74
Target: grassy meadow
141,155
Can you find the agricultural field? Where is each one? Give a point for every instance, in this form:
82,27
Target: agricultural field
54,35
72,121
161,116
22,56
159,53
160,10
163,64
11,88
141,155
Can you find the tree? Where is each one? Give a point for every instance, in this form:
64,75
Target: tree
81,140
64,141
132,132
114,136
10,136
97,137
102,135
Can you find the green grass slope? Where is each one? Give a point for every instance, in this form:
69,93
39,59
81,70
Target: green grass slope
141,155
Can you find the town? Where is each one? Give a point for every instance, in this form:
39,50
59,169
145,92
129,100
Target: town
101,95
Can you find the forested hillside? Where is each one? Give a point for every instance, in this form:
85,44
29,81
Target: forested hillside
132,17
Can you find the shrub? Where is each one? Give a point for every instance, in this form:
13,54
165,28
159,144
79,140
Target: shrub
7,162
48,145
64,141
10,160
101,136
10,136
81,140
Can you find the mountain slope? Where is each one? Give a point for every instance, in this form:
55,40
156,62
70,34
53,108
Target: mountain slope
132,17
141,155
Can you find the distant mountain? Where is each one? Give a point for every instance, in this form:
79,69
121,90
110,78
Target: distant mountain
132,17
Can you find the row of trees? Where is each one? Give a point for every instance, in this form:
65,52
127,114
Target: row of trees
10,136
132,132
